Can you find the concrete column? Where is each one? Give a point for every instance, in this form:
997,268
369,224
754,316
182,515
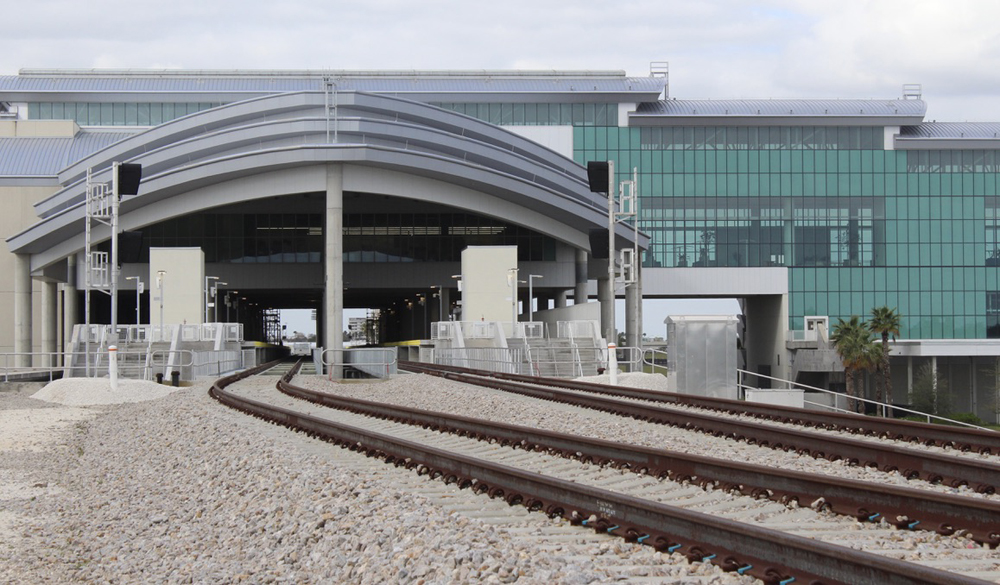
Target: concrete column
606,296
334,234
633,313
561,299
22,310
49,324
69,304
580,292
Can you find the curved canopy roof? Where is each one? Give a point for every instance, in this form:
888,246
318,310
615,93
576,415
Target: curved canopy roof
499,171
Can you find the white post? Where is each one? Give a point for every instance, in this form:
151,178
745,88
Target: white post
161,286
512,279
113,366
138,292
613,364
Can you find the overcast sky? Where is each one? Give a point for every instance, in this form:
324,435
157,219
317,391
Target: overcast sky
716,48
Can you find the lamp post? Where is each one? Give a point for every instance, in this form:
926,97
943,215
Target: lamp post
531,298
230,302
139,286
160,286
208,278
215,299
440,296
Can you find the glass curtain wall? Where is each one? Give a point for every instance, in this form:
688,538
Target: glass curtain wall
857,226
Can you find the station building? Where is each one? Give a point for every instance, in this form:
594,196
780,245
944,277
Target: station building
333,189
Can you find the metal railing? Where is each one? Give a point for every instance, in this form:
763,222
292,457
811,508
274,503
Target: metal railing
379,362
510,360
47,365
657,365
100,334
881,408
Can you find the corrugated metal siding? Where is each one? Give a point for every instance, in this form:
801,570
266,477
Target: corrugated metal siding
797,107
955,130
21,157
388,84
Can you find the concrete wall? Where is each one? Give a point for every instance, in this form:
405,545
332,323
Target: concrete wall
558,138
486,290
183,288
581,312
38,128
17,215
766,317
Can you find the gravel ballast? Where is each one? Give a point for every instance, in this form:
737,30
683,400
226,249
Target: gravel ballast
182,489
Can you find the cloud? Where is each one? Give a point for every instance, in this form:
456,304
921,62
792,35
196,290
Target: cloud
716,48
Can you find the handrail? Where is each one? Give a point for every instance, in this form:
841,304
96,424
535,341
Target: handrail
652,363
388,365
880,406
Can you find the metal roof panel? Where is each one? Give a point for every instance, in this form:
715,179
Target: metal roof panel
279,82
33,157
953,130
781,108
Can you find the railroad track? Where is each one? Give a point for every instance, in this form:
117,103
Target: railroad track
982,474
963,439
636,515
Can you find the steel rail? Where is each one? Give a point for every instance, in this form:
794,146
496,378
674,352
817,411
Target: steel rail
899,506
774,557
983,476
966,439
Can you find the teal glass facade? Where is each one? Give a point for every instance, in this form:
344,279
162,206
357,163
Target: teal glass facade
857,226
115,114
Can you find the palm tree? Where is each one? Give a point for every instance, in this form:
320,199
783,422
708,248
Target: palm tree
857,351
884,322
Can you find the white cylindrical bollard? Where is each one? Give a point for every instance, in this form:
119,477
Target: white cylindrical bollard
613,364
113,366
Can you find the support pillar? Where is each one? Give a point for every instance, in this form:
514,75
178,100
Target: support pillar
580,292
334,290
606,296
49,324
561,299
633,313
69,307
22,310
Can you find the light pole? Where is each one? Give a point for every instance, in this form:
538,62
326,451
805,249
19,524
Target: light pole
531,298
230,302
208,278
160,286
440,296
139,286
215,299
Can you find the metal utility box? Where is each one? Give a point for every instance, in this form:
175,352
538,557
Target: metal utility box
701,355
